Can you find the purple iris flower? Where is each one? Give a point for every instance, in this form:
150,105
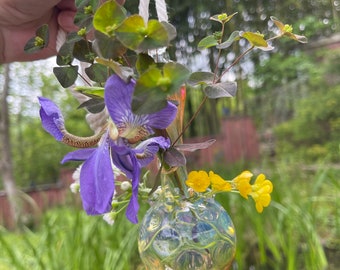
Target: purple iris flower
127,152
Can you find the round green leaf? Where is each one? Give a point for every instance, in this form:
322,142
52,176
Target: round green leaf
201,77
207,42
177,74
132,32
156,36
108,17
233,37
219,90
136,36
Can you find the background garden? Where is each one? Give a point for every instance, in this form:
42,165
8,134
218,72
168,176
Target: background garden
292,95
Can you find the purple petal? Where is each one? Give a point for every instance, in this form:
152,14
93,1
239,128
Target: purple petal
125,159
133,206
163,118
78,155
121,158
97,181
149,149
51,118
118,97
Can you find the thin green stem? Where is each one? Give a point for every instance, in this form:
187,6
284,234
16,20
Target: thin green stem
236,61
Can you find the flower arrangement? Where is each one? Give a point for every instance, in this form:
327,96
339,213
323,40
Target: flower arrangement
135,98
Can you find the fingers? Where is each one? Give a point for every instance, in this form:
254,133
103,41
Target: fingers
66,20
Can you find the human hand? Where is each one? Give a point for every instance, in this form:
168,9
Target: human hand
19,20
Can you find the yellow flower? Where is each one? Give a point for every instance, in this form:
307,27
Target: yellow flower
261,192
217,183
287,30
198,180
241,183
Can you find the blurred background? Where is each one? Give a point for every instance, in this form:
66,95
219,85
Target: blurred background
285,122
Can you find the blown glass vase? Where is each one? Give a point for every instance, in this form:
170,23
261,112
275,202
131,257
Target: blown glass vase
180,234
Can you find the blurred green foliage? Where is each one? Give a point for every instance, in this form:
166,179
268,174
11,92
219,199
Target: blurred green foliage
300,230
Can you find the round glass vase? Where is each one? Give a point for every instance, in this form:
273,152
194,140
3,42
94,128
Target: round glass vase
181,234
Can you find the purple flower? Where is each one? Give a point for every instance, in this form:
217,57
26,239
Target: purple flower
131,160
127,152
133,127
51,118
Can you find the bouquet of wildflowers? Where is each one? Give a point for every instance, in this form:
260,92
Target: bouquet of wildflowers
135,99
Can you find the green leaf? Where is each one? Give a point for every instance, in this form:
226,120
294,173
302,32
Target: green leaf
146,103
149,96
223,17
155,84
136,36
201,77
207,42
233,37
39,42
108,47
170,29
219,90
125,73
177,74
144,62
255,39
91,91
108,17
66,75
97,73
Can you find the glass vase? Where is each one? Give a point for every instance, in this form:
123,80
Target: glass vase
180,234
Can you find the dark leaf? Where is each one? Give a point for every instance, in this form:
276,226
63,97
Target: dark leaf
174,158
66,75
84,13
94,105
73,37
83,51
65,54
145,103
97,73
108,47
39,42
144,61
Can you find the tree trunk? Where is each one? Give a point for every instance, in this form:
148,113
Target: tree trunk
6,165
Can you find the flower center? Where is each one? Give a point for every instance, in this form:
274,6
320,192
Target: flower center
132,133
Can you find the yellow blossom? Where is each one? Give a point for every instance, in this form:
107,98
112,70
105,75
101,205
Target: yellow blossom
287,30
217,182
198,180
261,192
242,183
